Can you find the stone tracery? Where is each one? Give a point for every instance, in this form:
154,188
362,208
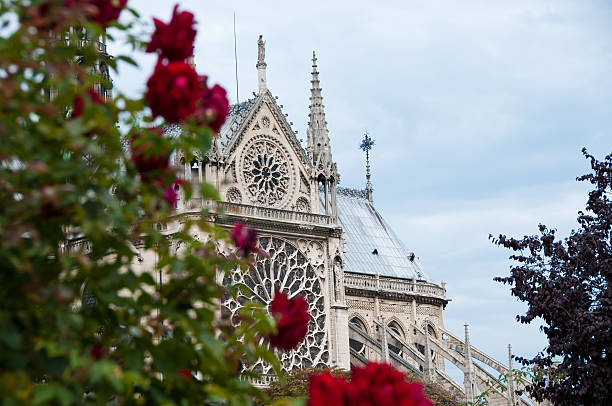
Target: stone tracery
266,171
289,271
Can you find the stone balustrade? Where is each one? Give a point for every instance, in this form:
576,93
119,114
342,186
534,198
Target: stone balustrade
263,381
367,282
196,204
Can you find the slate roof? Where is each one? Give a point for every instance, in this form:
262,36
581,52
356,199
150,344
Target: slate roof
238,112
369,243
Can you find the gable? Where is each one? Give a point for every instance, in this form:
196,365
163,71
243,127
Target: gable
245,116
266,162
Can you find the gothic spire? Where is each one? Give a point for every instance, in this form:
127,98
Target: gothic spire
366,145
318,135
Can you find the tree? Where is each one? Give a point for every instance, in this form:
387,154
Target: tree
566,283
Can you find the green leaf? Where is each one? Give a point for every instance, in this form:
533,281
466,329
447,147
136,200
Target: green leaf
127,59
208,191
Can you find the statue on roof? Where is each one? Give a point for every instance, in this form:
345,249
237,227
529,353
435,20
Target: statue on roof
261,50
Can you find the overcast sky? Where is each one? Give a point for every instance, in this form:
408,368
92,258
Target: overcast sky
479,110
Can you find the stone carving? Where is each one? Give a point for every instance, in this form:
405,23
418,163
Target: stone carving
265,122
261,51
233,195
304,186
314,251
231,173
289,271
338,280
266,171
359,304
302,204
428,310
394,308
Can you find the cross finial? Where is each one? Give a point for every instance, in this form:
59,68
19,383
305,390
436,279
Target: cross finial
366,145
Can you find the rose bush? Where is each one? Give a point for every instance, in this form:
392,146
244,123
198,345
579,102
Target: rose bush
150,153
101,11
292,320
79,102
174,40
245,239
85,317
376,384
328,390
213,105
173,91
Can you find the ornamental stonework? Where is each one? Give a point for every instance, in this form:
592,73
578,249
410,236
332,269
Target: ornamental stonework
233,195
288,270
266,172
394,308
315,253
428,310
302,204
359,304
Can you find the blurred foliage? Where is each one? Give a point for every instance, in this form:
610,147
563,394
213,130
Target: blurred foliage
295,386
82,321
435,392
295,383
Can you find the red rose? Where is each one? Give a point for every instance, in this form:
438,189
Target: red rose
328,390
172,91
97,352
379,384
52,14
185,373
213,105
175,39
149,154
78,105
245,238
171,193
293,319
106,11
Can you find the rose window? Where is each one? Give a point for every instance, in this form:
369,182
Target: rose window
266,173
286,270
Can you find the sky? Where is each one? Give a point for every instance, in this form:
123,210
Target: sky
479,111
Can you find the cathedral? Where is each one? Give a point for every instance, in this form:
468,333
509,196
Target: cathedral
368,295
325,242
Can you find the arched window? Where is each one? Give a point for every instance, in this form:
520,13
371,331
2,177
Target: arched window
356,345
397,329
195,171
